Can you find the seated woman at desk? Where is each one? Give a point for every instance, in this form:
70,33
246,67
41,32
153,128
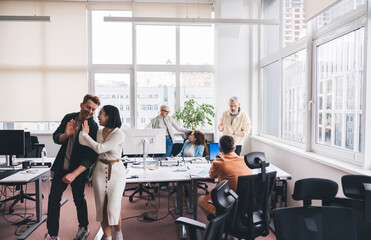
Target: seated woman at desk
109,173
195,146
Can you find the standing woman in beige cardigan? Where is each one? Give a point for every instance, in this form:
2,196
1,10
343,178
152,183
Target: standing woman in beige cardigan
109,173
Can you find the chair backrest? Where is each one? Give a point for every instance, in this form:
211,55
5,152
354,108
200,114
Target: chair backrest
353,185
311,222
224,200
357,189
320,223
252,216
314,188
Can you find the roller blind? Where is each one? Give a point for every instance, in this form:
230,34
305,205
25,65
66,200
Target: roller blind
43,66
314,7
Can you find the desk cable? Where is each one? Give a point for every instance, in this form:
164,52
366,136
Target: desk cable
25,220
145,217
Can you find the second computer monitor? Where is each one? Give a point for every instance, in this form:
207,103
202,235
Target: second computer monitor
134,139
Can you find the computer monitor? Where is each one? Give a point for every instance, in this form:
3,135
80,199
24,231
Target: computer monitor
214,150
134,139
12,142
144,142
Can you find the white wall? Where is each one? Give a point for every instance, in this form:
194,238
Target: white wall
299,167
231,58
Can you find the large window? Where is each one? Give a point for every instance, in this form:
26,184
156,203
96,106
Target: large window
165,64
323,113
339,72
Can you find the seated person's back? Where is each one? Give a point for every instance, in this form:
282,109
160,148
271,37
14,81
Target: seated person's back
229,167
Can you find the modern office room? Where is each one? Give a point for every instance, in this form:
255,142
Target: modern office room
297,67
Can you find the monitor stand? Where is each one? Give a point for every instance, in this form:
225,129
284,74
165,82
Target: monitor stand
9,164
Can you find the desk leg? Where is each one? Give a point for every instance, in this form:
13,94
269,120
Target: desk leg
194,197
179,200
39,218
195,206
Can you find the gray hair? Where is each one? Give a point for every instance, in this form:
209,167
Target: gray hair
234,99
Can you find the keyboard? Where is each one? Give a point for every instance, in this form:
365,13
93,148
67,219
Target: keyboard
6,173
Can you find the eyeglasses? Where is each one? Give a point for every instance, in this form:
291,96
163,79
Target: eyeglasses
165,111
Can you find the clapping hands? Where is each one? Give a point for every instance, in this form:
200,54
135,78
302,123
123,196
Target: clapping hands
70,129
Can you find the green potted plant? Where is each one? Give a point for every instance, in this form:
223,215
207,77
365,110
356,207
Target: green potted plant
193,114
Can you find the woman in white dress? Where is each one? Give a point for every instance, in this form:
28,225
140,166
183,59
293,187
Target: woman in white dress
109,173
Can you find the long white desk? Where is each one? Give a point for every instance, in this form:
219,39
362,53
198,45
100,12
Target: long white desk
24,177
188,173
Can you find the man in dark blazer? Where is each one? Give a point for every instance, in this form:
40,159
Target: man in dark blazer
71,162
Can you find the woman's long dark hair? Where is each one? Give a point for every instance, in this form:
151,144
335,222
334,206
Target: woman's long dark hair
201,140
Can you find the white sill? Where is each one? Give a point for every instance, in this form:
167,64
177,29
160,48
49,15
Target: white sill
331,162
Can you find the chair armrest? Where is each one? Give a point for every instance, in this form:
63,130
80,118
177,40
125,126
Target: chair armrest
190,222
367,187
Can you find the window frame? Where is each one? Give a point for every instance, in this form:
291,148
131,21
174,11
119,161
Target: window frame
134,68
351,21
328,34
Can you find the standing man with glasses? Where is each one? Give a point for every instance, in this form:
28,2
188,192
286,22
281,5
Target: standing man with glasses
235,123
166,122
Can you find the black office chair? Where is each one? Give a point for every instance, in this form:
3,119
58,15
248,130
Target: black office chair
357,189
140,189
224,200
314,222
252,217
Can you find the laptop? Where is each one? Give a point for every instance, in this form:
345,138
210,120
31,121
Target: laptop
214,150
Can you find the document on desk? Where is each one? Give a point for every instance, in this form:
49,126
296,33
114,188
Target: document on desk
179,168
198,170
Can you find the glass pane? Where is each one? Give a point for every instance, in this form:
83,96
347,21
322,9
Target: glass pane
198,86
338,129
197,45
270,10
114,89
328,128
268,33
360,134
338,10
294,26
349,131
271,99
339,84
294,91
351,98
156,44
111,41
153,90
339,92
